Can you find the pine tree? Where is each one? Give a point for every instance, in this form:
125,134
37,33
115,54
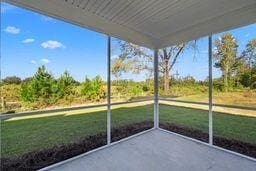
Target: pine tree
225,56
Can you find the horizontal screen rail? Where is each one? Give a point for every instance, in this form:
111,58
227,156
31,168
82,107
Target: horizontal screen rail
204,103
7,116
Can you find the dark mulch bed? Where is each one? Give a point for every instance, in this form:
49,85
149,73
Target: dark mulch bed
194,133
39,159
119,133
230,144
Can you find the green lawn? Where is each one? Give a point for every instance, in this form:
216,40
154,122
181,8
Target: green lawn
28,133
243,98
225,125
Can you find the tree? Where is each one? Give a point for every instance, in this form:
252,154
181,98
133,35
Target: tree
11,80
250,56
86,87
40,88
93,89
137,59
226,57
65,85
168,58
42,85
253,77
250,53
118,66
26,93
28,79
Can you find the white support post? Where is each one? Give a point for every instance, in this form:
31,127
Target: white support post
109,91
210,91
156,105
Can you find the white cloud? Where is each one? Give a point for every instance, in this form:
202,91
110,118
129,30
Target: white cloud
12,30
33,62
42,61
45,61
28,40
52,44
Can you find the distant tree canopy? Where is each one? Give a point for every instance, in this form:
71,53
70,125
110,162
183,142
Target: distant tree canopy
40,88
120,65
226,57
65,86
44,89
237,70
249,55
93,89
136,59
11,80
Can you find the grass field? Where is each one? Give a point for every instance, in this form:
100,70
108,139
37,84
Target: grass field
245,98
28,133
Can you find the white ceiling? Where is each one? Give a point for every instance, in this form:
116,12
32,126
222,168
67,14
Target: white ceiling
149,23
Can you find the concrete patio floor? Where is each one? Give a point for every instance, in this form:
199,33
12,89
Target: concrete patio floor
158,150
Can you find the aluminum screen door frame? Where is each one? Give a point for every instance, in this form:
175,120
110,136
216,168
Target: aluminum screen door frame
156,82
210,90
109,91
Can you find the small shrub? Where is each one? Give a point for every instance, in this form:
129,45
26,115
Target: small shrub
93,89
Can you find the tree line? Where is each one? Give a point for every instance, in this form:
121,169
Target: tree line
238,70
43,89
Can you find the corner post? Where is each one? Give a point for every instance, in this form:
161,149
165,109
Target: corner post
109,91
210,90
156,105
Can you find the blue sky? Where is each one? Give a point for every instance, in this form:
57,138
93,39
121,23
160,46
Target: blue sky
29,39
